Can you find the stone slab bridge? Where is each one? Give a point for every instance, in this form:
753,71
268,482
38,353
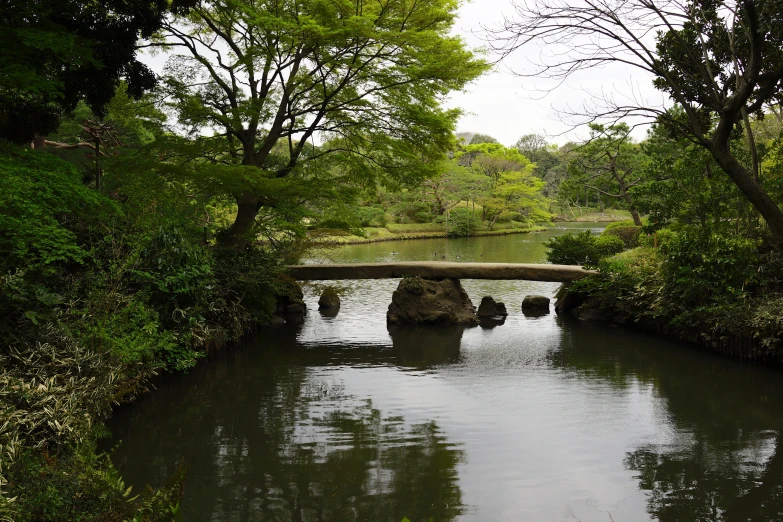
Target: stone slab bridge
439,270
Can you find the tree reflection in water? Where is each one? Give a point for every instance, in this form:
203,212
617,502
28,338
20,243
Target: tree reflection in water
724,459
269,437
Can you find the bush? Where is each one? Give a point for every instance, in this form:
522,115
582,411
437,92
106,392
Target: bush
659,238
46,214
463,223
620,224
629,234
583,249
374,216
708,269
413,212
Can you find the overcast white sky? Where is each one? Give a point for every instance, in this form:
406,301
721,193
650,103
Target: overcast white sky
507,106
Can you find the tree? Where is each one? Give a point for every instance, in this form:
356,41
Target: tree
720,60
610,164
531,144
683,183
517,195
58,52
269,78
513,191
454,185
479,138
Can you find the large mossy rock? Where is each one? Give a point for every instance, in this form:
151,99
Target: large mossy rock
423,301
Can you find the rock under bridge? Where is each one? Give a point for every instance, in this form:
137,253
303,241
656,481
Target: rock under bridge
439,270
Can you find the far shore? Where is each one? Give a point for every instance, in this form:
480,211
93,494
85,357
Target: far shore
402,232
401,236
607,216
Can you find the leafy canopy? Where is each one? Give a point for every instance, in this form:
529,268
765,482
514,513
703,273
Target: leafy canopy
58,52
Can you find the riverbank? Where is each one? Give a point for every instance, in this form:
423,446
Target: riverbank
724,309
417,231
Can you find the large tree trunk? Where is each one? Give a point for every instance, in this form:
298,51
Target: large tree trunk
636,219
238,236
752,191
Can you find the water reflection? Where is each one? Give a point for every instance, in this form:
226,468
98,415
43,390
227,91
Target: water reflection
268,438
488,323
544,418
723,459
426,346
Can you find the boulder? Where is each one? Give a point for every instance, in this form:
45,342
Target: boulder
290,301
568,302
490,308
423,301
329,299
590,310
329,312
535,303
295,308
276,320
589,313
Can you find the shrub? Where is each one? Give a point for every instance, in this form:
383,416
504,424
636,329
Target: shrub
659,238
463,223
583,249
702,269
45,211
413,212
374,216
620,224
629,234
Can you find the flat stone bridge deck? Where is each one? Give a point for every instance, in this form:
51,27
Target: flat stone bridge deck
439,270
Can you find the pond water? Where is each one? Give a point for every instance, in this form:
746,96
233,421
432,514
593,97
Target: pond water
541,418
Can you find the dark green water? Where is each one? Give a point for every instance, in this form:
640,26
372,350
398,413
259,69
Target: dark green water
341,418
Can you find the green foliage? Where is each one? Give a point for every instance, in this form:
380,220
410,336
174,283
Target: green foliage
628,233
64,488
610,164
54,391
369,81
463,223
372,216
684,185
699,288
96,295
703,268
84,486
57,53
412,212
479,138
583,249
46,214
